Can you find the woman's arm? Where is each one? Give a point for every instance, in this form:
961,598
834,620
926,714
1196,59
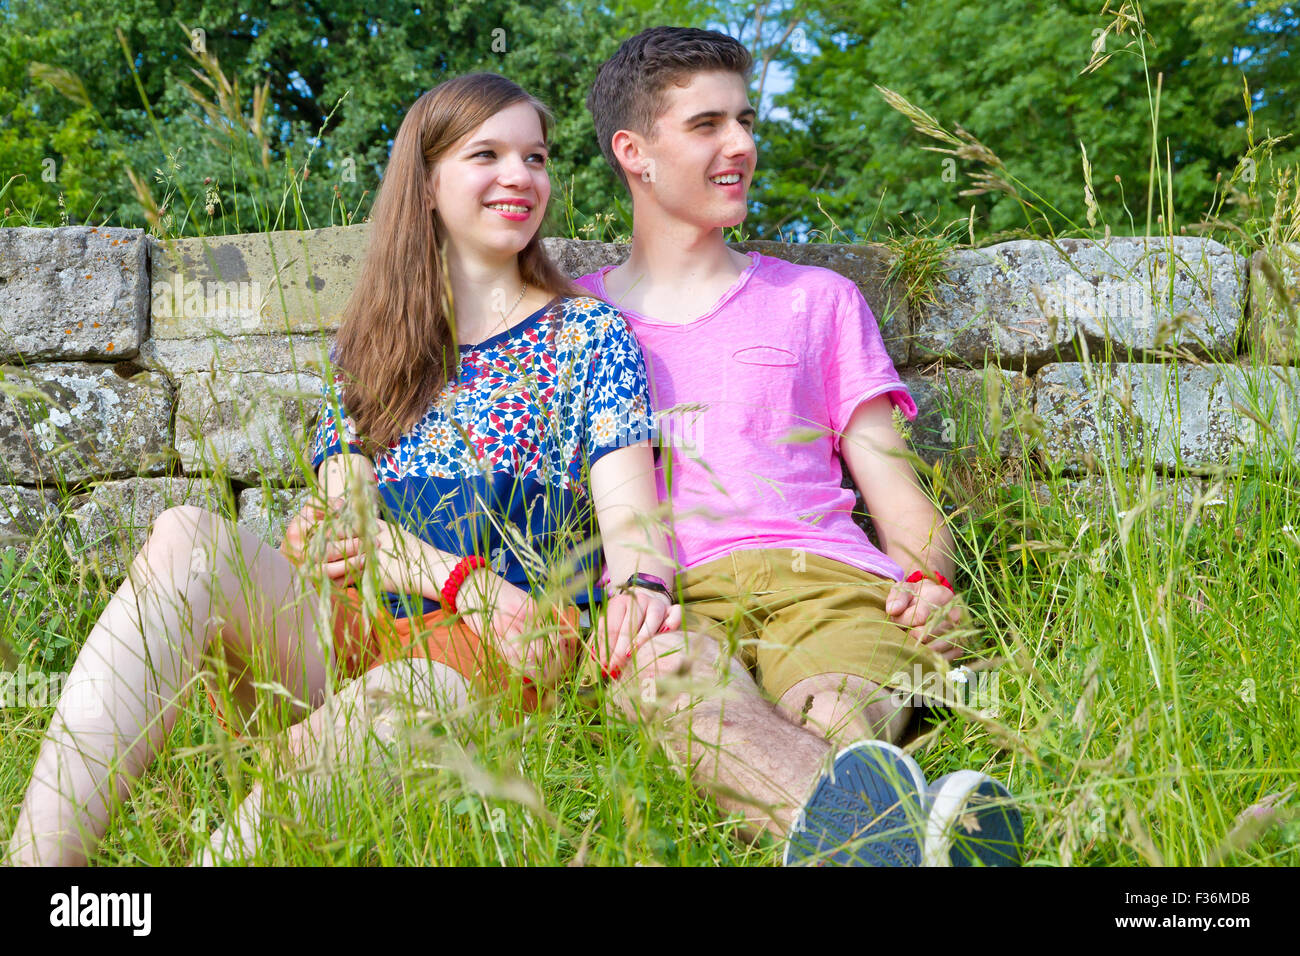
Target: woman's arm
631,528
493,607
627,510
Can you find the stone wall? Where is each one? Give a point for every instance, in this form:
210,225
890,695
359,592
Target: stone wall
139,374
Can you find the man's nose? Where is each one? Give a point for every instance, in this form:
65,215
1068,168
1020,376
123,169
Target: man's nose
740,141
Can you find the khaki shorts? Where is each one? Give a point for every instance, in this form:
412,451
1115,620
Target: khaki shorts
788,615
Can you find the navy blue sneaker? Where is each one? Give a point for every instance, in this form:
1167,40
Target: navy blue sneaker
868,811
972,820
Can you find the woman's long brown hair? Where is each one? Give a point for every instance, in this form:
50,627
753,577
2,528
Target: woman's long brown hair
396,345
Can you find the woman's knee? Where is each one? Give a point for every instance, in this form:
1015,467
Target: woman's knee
190,542
415,684
176,531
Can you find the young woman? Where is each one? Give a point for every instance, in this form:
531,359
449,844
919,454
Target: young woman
481,408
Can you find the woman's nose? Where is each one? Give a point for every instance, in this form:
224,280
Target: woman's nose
513,171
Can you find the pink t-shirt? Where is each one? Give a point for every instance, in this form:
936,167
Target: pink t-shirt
751,400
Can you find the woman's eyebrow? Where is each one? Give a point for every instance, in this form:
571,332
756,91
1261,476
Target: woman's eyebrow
496,142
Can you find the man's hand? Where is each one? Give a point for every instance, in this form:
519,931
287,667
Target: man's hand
920,608
631,618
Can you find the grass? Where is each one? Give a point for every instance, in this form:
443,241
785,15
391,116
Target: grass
1147,662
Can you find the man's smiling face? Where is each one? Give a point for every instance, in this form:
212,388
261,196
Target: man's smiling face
702,158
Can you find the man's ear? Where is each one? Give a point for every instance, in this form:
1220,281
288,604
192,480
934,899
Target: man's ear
629,149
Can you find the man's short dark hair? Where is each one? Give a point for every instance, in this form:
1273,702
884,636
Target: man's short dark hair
630,88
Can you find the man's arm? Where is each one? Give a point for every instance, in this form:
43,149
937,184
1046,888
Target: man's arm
912,530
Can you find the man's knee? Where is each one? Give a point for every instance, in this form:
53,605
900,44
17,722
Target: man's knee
843,705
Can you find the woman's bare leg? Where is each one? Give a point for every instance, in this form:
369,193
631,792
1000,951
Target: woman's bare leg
357,729
199,581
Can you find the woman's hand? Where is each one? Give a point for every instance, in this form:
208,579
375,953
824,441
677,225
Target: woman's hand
310,538
392,553
507,615
920,608
299,531
345,545
631,618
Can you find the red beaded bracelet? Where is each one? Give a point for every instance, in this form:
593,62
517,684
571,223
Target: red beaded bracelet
918,575
464,567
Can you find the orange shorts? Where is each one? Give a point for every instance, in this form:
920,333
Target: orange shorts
358,649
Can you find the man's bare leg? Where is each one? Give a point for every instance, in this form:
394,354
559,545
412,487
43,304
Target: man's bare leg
714,720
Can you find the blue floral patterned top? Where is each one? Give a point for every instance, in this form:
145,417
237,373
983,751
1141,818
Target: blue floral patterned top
498,464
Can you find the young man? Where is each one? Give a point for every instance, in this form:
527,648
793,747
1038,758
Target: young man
764,374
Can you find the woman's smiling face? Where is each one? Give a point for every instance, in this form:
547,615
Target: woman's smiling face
491,188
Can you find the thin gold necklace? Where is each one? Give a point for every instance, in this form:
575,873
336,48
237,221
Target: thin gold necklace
506,315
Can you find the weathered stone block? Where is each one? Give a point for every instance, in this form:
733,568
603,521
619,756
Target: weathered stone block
1022,303
27,516
1197,417
243,353
83,421
577,257
266,511
1275,305
1091,496
261,283
108,525
251,424
75,292
955,406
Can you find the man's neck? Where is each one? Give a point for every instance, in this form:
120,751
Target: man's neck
674,271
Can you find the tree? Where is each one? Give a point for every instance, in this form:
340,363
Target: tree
1009,72
371,60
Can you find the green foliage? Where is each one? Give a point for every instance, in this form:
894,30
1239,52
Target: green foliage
340,78
1012,74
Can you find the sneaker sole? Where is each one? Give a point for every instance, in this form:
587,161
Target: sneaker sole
973,821
863,813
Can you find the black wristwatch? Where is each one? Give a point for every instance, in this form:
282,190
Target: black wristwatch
647,582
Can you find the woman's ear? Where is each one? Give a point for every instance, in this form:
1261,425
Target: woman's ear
431,190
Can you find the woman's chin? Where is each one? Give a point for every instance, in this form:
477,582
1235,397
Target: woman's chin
498,247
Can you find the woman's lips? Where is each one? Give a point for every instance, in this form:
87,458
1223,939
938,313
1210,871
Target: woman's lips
512,215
